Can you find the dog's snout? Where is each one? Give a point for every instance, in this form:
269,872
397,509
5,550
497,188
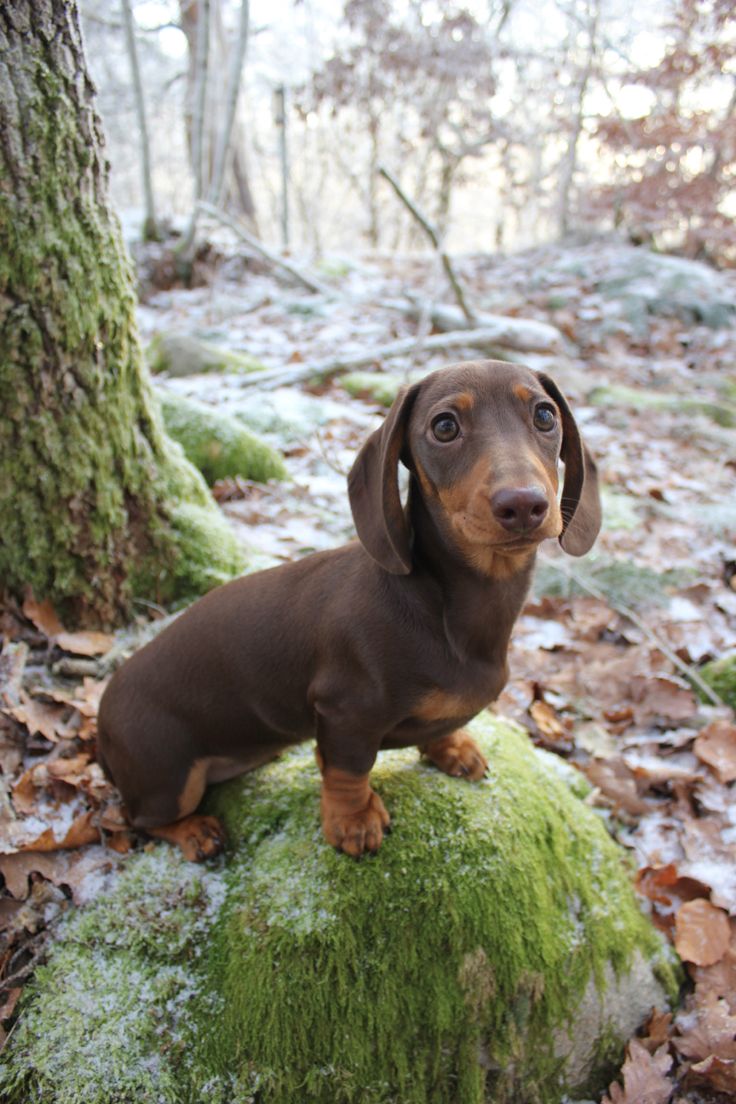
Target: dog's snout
520,509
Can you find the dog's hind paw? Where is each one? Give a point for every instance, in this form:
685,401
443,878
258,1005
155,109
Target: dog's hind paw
197,837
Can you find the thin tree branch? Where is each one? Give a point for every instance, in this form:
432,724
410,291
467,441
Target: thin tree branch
311,283
431,233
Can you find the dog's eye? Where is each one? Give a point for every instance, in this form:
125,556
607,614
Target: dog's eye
544,417
445,428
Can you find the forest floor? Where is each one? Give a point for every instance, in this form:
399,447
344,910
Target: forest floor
605,657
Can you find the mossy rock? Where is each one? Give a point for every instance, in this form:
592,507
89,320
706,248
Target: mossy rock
185,355
722,414
287,414
216,443
379,387
720,674
492,951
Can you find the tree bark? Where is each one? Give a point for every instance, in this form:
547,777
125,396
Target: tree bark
97,506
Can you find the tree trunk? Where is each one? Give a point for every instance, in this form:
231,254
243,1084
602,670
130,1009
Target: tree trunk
97,506
236,195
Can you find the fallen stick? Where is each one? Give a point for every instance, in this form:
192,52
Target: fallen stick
311,283
486,339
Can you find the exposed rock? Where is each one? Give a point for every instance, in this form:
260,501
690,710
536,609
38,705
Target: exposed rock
185,355
492,951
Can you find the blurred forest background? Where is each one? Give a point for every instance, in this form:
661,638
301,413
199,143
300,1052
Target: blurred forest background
509,122
324,202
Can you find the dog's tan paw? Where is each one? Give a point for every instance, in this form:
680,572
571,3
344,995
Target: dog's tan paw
197,837
457,755
356,832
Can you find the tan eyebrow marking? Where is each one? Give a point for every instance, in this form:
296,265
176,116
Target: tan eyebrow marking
522,392
464,401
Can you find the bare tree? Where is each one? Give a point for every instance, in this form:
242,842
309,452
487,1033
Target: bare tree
150,224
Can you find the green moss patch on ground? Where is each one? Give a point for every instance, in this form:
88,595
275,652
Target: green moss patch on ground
723,414
186,355
448,967
218,444
721,675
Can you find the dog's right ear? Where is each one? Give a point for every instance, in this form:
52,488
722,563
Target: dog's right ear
373,489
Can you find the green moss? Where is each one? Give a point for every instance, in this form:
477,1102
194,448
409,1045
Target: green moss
446,968
107,1019
217,444
85,481
721,675
619,510
379,387
722,414
354,970
185,355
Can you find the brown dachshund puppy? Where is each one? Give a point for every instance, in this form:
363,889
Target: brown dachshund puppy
397,639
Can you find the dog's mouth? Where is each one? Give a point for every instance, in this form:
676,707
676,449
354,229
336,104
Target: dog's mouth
502,542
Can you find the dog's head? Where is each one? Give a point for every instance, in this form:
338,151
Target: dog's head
483,440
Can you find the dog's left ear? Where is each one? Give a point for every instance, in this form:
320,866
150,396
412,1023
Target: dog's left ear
580,504
373,489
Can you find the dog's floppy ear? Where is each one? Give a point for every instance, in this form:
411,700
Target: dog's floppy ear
580,504
373,488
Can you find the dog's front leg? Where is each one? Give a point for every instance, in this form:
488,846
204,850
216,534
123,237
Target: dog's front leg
353,816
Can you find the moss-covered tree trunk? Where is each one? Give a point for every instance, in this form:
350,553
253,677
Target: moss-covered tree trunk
96,504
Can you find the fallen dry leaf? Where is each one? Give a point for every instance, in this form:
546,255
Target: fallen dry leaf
618,784
8,1005
658,1029
719,979
644,1076
716,746
62,868
718,1073
85,643
46,718
710,1031
710,858
702,932
43,616
548,723
660,696
664,886
80,832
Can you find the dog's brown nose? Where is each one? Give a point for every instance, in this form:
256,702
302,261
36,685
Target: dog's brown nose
520,509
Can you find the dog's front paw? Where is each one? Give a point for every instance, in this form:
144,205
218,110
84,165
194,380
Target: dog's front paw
355,832
458,755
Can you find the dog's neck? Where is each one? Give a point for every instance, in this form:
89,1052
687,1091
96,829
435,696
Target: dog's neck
479,607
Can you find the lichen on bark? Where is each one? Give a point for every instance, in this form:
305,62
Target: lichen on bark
89,483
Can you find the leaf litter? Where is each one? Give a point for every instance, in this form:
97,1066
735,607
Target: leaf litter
603,660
